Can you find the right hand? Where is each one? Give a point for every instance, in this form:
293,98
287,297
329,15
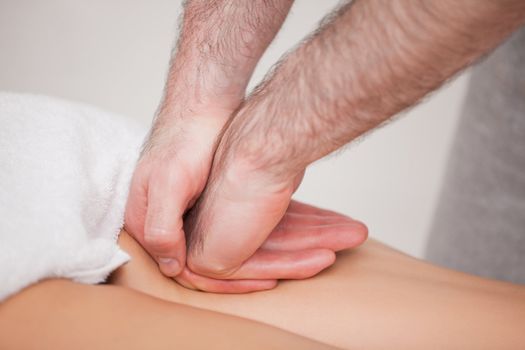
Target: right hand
303,244
171,175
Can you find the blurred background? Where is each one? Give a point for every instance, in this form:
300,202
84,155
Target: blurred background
114,54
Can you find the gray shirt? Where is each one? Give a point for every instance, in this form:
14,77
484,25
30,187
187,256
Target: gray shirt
479,225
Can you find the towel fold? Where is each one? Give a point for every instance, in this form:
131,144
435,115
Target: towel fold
65,170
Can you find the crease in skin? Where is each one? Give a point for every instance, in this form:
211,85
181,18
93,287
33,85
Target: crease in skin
61,314
365,300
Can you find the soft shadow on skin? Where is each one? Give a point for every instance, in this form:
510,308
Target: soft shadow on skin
370,296
142,274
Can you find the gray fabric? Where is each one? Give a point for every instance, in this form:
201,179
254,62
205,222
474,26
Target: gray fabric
479,225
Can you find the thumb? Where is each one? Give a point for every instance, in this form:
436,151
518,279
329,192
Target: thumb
163,228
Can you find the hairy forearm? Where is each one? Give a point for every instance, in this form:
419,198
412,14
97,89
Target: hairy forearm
370,60
219,45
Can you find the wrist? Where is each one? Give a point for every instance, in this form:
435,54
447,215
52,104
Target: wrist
254,177
186,131
185,101
203,84
251,148
188,113
182,103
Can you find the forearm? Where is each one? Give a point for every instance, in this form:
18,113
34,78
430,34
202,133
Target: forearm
370,60
220,43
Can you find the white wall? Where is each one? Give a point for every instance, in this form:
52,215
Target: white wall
114,54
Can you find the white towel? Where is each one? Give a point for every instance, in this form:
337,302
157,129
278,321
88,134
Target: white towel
65,169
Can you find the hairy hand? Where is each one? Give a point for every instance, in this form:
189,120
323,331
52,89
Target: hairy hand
219,45
169,177
303,244
244,225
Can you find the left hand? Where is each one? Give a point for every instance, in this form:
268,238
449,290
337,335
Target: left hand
168,179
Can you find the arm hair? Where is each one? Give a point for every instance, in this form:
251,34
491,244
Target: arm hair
369,60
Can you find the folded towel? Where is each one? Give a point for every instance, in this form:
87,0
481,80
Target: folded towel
65,170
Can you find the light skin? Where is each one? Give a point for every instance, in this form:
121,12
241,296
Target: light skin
374,298
60,314
303,244
63,315
413,304
219,45
368,61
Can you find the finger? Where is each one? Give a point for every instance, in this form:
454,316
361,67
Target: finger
303,208
269,264
193,281
163,229
334,236
291,219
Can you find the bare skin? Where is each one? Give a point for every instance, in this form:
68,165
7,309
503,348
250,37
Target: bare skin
373,298
219,45
369,61
237,157
300,246
63,315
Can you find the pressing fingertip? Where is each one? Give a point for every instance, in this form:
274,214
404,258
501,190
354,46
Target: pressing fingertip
362,231
328,258
191,280
246,286
242,286
322,259
267,284
169,266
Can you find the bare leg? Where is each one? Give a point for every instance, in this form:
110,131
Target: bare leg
373,297
60,314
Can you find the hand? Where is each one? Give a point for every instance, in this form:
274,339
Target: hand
169,177
237,212
239,209
302,245
216,52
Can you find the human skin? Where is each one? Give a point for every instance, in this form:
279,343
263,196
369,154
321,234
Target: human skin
219,45
370,60
374,297
300,246
60,315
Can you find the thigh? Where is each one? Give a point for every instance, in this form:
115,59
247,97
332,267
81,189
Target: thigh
373,297
59,314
